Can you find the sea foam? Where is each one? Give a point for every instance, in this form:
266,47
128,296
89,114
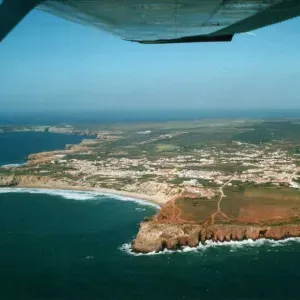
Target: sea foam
77,195
233,245
13,165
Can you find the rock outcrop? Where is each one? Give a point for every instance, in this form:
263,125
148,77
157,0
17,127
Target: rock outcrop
31,181
155,236
6,181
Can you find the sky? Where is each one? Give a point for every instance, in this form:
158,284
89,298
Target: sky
47,63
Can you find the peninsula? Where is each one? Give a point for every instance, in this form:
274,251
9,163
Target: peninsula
215,180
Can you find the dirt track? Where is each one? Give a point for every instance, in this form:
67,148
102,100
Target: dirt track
219,211
173,211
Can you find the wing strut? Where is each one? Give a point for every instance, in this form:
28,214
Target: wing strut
12,12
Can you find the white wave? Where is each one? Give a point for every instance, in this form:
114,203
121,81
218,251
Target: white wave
128,249
13,165
125,198
89,257
67,194
234,245
140,209
76,195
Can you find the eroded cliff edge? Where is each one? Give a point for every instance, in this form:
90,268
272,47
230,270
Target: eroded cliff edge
156,237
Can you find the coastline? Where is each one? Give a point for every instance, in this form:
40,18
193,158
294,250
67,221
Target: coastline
156,237
103,191
127,247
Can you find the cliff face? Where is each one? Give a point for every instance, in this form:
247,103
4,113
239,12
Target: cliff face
160,192
155,236
28,181
8,181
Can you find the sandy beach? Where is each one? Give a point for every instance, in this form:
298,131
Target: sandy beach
107,191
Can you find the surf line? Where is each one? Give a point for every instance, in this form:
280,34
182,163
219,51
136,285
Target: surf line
211,244
78,194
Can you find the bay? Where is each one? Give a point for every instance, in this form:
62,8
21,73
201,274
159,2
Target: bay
16,146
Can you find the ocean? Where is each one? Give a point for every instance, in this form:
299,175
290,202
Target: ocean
76,245
16,146
132,116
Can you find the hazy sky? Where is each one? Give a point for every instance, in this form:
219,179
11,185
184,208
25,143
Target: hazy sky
50,63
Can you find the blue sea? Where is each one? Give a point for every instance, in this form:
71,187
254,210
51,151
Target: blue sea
131,116
16,146
57,244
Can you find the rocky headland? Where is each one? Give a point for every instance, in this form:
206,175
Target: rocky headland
187,220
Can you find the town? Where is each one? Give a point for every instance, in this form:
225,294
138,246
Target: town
151,162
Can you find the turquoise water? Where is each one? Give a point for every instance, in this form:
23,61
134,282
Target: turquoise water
75,245
16,146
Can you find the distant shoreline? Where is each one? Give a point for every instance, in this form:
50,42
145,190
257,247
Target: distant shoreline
105,191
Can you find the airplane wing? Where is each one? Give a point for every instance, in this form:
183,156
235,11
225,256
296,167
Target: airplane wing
159,21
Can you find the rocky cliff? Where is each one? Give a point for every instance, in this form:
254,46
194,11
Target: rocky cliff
32,181
28,180
155,236
160,192
7,181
